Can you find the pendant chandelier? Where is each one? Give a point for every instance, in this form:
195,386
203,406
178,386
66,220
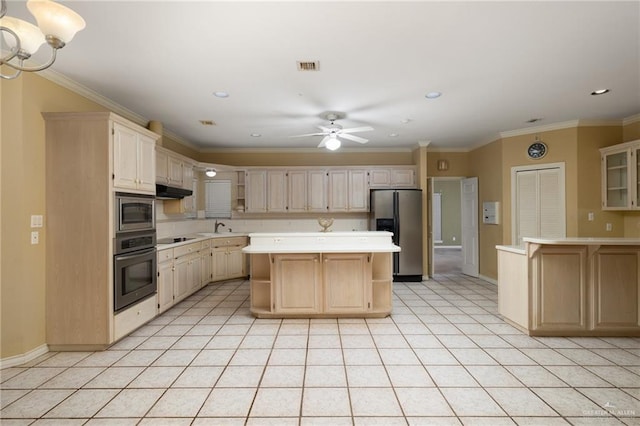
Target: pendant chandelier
57,25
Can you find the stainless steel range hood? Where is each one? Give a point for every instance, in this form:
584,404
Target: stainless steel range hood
164,192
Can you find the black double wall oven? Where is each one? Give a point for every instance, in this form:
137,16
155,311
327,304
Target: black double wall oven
134,261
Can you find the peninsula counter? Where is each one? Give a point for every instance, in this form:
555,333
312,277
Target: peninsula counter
571,286
321,274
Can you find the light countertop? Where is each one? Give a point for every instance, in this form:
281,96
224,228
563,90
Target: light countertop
322,242
585,241
195,238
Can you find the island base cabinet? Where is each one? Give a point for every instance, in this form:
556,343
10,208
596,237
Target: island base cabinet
321,285
345,283
296,279
616,296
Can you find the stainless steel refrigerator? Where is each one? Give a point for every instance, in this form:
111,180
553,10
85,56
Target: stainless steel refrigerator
400,211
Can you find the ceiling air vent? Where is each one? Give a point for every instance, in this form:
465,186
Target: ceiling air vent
308,65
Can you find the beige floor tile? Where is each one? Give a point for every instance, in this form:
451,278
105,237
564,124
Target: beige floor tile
619,356
509,356
258,342
487,421
535,376
361,357
7,396
150,421
84,403
577,376
34,404
382,421
184,402
493,376
156,377
398,356
471,356
159,342
114,378
240,377
139,358
32,378
102,359
250,357
325,376
277,402
427,341
520,402
593,421
540,421
204,330
131,403
325,402
324,341
617,376
469,402
198,377
288,357
367,376
374,402
176,357
210,357
291,342
64,359
72,378
567,402
191,342
433,421
436,357
283,376
326,421
451,376
324,357
615,401
409,376
224,342
113,422
422,402
228,403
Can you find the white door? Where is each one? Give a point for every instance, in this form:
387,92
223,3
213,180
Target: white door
469,213
538,205
436,210
432,253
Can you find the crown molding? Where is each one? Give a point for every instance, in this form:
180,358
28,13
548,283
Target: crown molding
298,150
461,150
562,125
630,120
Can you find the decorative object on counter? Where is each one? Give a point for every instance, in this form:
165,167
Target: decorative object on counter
325,223
57,25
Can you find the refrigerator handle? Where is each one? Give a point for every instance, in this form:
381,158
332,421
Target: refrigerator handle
396,218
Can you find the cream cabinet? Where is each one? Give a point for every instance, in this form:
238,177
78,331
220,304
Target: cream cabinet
165,279
134,160
162,166
256,191
276,191
81,178
297,191
206,263
317,191
621,176
175,167
294,294
392,177
228,259
186,206
307,191
346,278
348,190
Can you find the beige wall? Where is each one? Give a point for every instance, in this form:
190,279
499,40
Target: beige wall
22,287
490,185
458,164
319,158
631,132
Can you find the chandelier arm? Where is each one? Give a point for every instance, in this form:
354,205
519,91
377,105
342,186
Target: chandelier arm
3,8
14,52
35,68
12,76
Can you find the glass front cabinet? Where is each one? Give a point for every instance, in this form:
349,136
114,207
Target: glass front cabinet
621,176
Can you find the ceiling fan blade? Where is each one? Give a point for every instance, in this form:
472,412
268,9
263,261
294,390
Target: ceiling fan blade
357,129
324,141
354,138
324,129
308,134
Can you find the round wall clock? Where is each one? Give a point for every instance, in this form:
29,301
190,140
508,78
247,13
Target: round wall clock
537,150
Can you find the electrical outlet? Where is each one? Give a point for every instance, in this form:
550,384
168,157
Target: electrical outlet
609,227
35,237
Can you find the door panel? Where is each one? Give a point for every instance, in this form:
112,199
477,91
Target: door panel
469,206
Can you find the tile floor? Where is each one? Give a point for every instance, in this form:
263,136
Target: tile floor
443,358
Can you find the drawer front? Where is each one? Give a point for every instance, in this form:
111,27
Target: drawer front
165,255
186,249
206,244
128,320
231,241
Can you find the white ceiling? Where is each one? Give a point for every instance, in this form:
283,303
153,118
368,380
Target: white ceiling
497,64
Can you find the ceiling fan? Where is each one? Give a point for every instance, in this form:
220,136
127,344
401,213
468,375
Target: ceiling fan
333,132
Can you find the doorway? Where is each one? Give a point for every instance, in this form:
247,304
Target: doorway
446,228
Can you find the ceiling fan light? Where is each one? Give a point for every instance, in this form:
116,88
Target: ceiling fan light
55,19
31,38
333,144
211,172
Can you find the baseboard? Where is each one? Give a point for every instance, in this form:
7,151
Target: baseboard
16,360
488,279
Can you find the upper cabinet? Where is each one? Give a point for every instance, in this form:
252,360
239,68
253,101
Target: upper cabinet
134,160
620,176
348,190
173,169
392,177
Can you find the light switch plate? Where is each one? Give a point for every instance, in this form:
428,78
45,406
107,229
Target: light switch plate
35,237
36,221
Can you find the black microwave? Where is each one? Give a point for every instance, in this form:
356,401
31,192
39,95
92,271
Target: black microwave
135,212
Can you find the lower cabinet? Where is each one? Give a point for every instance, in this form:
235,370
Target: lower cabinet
165,280
321,285
228,259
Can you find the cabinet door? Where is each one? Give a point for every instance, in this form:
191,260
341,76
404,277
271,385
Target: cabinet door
187,175
181,278
195,268
403,178
615,288
276,191
165,286
146,164
380,178
125,157
162,167
345,282
297,189
176,175
297,283
317,191
220,263
358,191
235,262
206,259
256,191
616,185
338,193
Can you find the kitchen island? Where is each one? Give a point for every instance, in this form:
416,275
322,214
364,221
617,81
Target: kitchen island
571,286
321,274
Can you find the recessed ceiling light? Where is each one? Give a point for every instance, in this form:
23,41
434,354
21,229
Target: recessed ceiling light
599,92
393,135
405,120
255,135
221,94
433,95
207,122
533,120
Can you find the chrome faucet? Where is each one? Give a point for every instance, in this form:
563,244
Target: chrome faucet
216,226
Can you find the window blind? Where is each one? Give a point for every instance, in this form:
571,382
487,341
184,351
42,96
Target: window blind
217,198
